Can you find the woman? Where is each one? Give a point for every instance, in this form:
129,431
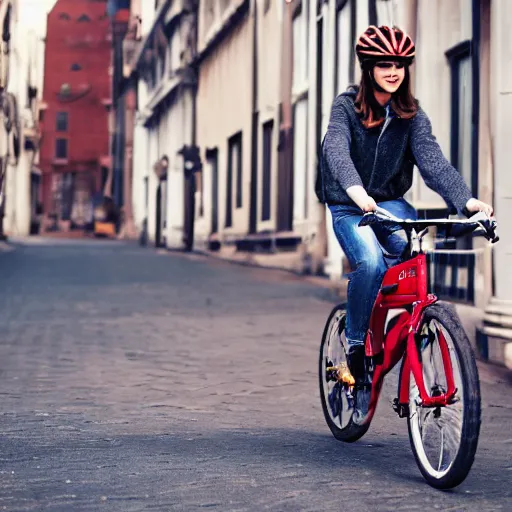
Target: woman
377,133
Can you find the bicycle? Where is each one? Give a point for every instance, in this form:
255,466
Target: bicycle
441,400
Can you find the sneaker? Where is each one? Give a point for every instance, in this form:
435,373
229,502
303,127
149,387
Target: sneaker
356,361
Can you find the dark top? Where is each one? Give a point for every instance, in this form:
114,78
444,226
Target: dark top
382,159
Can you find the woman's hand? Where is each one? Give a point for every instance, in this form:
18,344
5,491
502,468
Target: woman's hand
361,198
474,205
369,205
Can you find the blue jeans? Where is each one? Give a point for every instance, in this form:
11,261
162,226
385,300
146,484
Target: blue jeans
370,250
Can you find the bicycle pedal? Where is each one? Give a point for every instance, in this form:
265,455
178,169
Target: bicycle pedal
401,409
342,374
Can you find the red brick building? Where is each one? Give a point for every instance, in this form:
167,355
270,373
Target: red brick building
77,92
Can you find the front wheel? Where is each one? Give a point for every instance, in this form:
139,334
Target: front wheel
444,439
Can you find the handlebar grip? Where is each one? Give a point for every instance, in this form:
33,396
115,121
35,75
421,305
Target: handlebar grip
368,219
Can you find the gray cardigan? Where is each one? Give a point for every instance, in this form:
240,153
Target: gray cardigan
382,159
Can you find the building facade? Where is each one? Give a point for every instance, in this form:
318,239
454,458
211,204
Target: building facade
267,73
165,80
21,70
77,89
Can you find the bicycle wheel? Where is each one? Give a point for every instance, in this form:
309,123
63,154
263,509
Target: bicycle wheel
338,398
444,439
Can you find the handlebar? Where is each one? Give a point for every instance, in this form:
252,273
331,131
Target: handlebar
480,223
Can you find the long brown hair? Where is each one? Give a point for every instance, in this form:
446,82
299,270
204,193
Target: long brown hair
404,104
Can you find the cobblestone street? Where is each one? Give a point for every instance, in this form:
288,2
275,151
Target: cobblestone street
135,380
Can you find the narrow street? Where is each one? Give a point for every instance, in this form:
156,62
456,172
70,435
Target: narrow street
135,380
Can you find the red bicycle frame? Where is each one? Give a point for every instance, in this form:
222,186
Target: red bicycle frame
404,285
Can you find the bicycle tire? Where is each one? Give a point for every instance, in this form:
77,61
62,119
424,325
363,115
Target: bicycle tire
446,315
352,431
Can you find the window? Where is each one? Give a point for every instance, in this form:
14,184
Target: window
234,171
64,16
464,120
228,222
61,148
84,18
267,171
75,67
212,163
372,12
237,160
462,112
345,39
62,122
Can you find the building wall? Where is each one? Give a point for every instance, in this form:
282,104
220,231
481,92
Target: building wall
178,122
224,108
88,45
501,98
17,187
141,167
26,56
163,122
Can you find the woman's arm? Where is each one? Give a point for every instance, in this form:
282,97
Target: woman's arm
337,146
437,172
337,154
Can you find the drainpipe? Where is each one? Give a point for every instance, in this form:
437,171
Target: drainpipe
253,208
190,178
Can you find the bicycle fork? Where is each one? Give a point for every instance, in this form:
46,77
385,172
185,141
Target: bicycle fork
412,364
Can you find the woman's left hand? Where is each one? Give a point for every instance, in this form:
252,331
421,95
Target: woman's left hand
474,205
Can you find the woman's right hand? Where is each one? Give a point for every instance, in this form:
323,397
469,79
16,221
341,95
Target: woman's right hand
361,198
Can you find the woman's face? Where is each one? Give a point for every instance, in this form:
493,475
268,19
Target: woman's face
389,75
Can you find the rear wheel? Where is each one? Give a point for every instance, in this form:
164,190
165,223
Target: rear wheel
338,399
444,439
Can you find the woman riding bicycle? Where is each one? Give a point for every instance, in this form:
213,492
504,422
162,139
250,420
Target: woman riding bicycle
377,132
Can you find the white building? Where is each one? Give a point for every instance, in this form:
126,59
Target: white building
22,81
164,123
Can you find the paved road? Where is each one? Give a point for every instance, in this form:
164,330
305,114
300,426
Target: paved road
132,380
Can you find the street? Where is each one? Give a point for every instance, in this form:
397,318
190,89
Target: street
133,379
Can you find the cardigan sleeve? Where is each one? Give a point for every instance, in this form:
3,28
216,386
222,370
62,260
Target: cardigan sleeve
337,146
